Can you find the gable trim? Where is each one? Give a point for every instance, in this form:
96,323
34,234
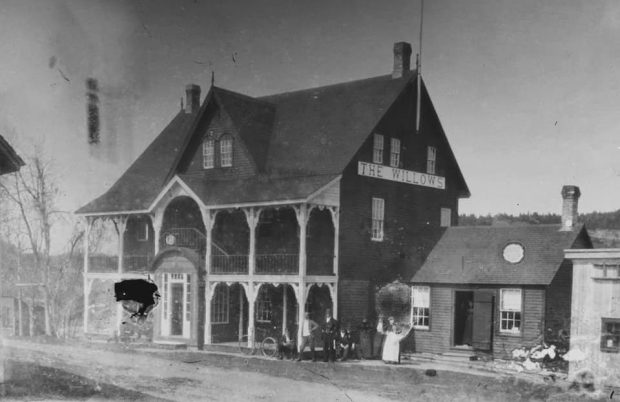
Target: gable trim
176,179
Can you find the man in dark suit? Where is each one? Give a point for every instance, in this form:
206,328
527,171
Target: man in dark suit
331,330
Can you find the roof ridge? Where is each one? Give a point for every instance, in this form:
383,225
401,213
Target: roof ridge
240,95
297,91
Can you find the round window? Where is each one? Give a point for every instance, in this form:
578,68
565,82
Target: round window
513,253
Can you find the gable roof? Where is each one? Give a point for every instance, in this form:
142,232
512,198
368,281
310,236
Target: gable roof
10,161
312,132
319,130
473,255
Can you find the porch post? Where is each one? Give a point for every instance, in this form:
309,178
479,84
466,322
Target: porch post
252,292
157,219
87,226
208,219
302,220
209,291
240,330
334,289
284,307
301,307
252,215
335,212
121,225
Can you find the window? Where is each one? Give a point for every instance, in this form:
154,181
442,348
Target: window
226,151
219,308
264,306
188,297
611,271
395,152
446,218
420,306
378,209
430,160
143,231
510,311
208,154
377,149
610,335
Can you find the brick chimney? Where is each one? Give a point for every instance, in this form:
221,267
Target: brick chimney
570,199
192,98
402,59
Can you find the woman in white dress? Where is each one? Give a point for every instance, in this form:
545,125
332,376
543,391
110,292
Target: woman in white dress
391,346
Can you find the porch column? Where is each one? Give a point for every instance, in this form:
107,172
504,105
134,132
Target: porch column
157,220
284,307
121,225
252,216
334,294
208,219
209,291
87,226
335,212
252,293
301,309
302,220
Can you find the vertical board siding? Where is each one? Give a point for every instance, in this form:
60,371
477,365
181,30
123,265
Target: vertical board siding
353,301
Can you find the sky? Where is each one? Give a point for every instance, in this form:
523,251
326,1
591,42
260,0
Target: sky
527,91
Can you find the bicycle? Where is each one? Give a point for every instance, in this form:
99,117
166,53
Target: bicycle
266,343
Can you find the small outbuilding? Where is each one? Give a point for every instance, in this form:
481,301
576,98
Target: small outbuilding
493,289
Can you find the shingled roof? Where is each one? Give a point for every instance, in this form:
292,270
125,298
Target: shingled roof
474,255
308,133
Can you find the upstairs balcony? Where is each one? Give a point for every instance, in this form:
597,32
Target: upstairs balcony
274,235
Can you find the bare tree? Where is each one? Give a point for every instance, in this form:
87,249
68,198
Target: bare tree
32,192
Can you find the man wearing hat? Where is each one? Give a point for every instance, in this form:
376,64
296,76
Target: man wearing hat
330,334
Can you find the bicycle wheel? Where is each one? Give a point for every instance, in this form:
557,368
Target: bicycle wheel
269,347
243,346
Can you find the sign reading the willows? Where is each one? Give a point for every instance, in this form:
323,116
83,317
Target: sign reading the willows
400,175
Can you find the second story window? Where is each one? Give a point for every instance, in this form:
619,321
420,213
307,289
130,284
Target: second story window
445,219
226,151
377,149
378,212
395,152
208,154
431,160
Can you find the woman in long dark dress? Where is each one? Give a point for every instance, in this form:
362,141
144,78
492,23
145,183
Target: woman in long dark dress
365,339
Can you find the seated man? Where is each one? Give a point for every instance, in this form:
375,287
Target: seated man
286,346
344,345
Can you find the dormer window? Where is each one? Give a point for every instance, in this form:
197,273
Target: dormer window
395,152
208,153
226,151
431,160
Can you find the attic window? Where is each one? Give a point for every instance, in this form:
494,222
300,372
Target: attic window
377,149
513,253
226,151
208,153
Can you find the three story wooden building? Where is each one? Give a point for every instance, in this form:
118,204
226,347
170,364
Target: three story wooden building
249,210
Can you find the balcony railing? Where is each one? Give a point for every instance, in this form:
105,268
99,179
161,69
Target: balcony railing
109,263
229,264
279,264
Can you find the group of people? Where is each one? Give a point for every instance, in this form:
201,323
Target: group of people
341,343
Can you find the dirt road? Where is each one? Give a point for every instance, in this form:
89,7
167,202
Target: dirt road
193,376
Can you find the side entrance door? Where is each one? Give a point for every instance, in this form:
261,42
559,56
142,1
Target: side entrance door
176,310
482,337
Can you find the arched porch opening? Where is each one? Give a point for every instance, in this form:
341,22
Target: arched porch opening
229,313
231,243
276,309
277,241
320,242
182,226
319,301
